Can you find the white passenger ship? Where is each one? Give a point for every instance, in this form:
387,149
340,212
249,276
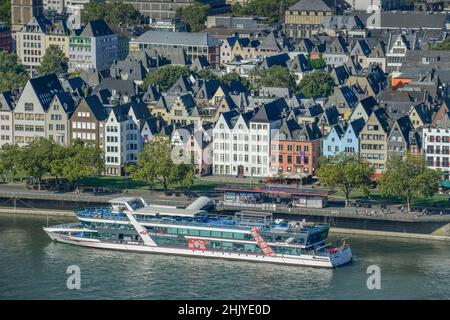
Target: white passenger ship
131,224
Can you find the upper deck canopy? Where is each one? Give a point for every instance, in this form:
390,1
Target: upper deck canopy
137,205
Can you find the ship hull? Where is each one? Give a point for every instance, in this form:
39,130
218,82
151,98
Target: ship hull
334,260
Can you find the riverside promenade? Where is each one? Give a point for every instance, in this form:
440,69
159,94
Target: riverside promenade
18,198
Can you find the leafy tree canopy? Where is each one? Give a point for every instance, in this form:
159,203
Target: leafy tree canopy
345,172
317,84
207,74
264,8
444,45
54,61
12,74
194,15
276,76
408,177
234,76
5,11
317,63
155,165
116,13
165,77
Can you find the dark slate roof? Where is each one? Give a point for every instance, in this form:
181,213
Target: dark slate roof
271,111
183,85
383,119
276,60
361,47
178,38
154,124
200,63
208,89
46,87
424,112
270,43
405,125
121,111
122,87
369,103
152,94
338,128
66,101
337,46
413,20
96,107
133,69
357,125
341,22
299,64
93,77
236,87
8,100
74,84
104,95
310,5
228,117
167,130
330,116
96,28
339,74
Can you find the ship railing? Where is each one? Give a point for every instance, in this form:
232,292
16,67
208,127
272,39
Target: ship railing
101,213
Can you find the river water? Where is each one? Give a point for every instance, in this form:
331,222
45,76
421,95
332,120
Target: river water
34,267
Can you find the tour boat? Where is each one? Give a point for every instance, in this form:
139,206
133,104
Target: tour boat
131,224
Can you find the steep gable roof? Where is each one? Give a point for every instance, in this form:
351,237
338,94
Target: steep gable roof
271,111
45,88
96,107
310,5
96,28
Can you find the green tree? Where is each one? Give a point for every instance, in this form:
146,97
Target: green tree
345,172
234,76
154,163
57,161
207,74
10,156
116,13
317,63
183,175
194,15
12,74
54,61
119,13
5,11
443,45
264,8
35,159
317,84
82,160
165,77
408,177
275,76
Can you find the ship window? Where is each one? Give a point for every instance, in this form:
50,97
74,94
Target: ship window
228,235
183,231
172,230
205,233
216,234
249,247
194,232
239,236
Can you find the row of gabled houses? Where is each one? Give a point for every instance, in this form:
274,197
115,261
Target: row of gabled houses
223,129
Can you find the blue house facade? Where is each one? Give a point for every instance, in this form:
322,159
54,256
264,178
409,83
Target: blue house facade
343,139
332,144
350,140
